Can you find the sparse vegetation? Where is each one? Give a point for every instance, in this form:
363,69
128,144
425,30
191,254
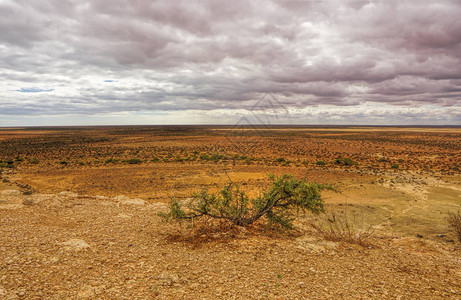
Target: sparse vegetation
277,206
341,228
454,220
273,263
110,160
346,161
395,166
133,161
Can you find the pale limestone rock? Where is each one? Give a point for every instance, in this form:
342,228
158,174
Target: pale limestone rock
75,245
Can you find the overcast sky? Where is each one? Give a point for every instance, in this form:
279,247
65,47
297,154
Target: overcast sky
223,62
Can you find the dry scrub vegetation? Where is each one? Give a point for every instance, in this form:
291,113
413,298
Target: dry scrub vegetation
78,209
277,206
454,219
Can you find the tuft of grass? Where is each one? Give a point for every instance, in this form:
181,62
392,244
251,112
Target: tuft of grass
339,228
454,220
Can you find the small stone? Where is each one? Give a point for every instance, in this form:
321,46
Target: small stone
75,245
129,201
86,292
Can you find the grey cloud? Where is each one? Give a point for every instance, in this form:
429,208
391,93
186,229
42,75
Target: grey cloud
209,55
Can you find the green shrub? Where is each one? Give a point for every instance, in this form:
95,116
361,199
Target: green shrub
320,163
277,206
134,161
346,161
395,166
110,160
204,157
3,165
216,157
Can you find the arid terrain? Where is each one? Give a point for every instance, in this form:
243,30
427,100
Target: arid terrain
78,213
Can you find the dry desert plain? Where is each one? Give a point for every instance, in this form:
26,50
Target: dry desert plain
78,213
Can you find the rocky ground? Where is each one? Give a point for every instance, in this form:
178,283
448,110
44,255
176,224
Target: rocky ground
70,246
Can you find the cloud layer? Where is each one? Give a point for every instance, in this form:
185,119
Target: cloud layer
324,61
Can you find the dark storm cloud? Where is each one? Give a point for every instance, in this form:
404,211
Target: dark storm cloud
208,55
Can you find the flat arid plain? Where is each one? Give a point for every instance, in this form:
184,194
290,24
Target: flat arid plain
78,213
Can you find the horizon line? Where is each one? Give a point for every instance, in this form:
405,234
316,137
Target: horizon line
228,125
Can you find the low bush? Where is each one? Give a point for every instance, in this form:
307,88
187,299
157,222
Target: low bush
133,161
6,165
320,163
204,157
277,206
454,220
346,161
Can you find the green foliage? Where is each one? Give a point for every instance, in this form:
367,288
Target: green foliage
204,157
214,157
110,160
395,166
346,161
6,165
320,163
133,161
277,206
